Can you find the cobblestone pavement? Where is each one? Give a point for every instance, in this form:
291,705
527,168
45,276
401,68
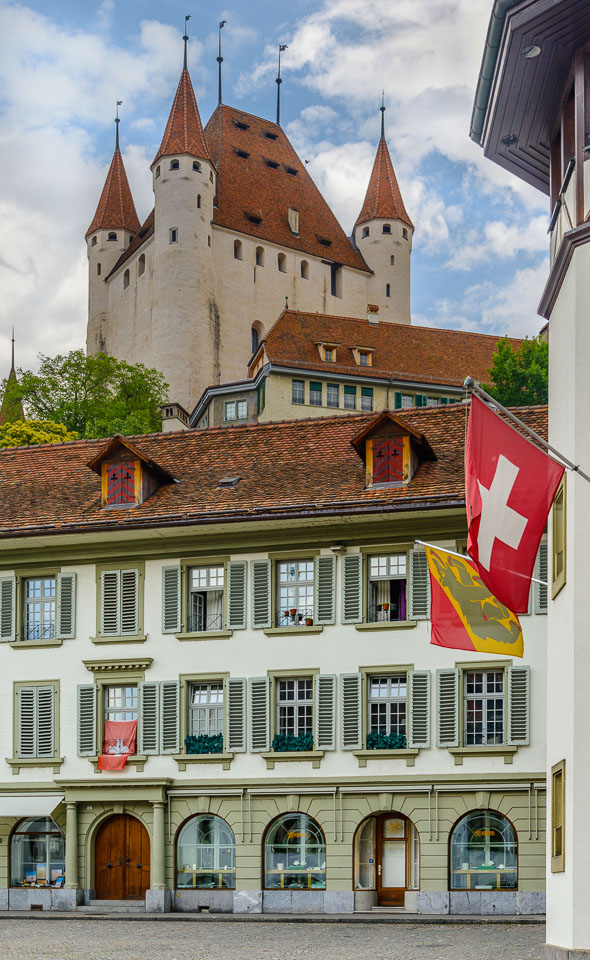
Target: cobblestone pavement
138,940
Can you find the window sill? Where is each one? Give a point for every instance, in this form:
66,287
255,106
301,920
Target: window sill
16,763
408,754
279,631
290,756
137,760
183,758
482,751
33,644
387,625
205,635
135,639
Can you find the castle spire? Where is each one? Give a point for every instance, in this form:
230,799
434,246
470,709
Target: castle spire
185,38
383,198
116,209
382,108
184,130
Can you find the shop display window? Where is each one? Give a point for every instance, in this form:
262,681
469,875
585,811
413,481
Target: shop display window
206,855
37,854
483,853
295,854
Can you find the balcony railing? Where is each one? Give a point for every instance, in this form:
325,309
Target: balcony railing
199,623
39,631
382,612
294,617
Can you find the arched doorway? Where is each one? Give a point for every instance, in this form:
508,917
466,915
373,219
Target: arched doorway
387,857
122,859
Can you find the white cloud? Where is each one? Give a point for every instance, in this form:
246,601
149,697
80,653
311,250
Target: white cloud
501,240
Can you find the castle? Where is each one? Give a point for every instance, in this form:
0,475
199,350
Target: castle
238,230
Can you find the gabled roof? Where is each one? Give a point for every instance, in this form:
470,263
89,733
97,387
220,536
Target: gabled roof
383,198
116,209
248,185
114,445
385,418
184,130
401,351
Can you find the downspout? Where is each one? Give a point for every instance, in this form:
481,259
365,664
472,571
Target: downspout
488,66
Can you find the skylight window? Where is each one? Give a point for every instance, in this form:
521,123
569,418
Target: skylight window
271,163
242,153
228,482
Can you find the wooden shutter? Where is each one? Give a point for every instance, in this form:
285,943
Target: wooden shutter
541,573
419,726
149,739
235,715
261,602
87,720
109,603
7,609
170,600
325,589
388,459
352,588
236,594
447,708
518,705
66,606
397,401
27,717
324,714
351,727
419,586
129,602
258,703
169,716
45,721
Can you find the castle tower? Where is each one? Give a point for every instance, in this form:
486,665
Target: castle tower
185,318
383,234
113,228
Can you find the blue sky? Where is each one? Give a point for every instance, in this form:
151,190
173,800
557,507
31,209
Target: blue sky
479,259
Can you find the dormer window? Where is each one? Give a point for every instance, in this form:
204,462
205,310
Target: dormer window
175,164
241,125
120,482
254,216
271,136
324,241
363,356
293,218
386,228
291,170
128,477
242,153
328,352
271,163
392,451
112,236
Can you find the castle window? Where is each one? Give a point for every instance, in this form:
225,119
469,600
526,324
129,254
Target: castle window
175,164
173,235
365,231
208,241
211,175
386,228
242,153
196,165
336,279
237,249
271,163
94,241
112,236
405,233
282,262
157,172
241,125
259,256
271,136
293,218
125,279
305,270
141,265
198,201
98,269
387,289
254,335
291,170
392,259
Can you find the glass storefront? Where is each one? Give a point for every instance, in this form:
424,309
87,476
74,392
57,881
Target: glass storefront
205,855
37,854
295,854
483,853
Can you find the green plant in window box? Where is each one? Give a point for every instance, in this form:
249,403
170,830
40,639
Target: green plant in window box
204,743
284,742
386,741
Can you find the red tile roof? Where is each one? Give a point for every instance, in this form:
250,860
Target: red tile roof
299,468
115,210
402,352
383,197
184,130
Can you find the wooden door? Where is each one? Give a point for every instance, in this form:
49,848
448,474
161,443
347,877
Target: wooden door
392,830
122,859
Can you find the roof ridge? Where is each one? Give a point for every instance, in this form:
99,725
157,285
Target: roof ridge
386,324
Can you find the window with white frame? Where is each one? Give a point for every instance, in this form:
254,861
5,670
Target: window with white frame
297,391
294,592
367,398
349,397
315,394
407,400
387,599
332,395
206,598
120,702
235,410
387,698
483,707
295,707
39,608
205,709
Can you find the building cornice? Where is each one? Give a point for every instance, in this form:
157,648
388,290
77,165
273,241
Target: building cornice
569,243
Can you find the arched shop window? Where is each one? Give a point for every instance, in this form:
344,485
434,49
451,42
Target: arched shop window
37,854
206,855
483,853
294,854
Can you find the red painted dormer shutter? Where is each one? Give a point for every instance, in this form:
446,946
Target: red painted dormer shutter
120,483
388,459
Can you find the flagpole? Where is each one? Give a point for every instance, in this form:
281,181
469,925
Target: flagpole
462,556
470,384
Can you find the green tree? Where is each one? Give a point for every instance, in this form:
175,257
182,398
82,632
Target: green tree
94,396
25,433
519,377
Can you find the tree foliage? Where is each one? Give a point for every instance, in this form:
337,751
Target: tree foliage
24,433
519,377
94,396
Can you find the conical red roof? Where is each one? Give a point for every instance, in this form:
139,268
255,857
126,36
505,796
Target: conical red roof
383,198
115,209
184,130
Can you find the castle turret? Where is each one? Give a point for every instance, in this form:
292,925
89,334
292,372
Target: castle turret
113,228
185,319
383,234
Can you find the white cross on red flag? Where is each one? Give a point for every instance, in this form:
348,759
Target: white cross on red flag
510,485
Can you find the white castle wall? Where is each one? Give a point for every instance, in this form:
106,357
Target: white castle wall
378,248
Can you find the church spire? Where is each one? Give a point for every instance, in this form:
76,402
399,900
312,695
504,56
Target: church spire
383,199
184,130
116,209
12,406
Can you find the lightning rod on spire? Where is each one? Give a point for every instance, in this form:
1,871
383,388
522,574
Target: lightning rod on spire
185,38
282,47
12,367
222,24
117,122
382,108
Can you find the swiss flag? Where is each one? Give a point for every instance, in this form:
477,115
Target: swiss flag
119,743
509,487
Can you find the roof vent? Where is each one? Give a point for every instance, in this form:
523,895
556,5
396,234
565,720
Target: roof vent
291,170
271,163
229,482
241,125
242,153
324,241
254,216
271,136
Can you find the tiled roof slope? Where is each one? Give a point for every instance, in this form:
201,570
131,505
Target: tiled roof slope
423,354
184,130
247,185
383,197
116,209
299,468
143,234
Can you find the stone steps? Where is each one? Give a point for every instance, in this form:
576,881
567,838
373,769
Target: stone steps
113,906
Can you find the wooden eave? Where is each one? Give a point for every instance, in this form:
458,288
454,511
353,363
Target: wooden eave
360,438
118,441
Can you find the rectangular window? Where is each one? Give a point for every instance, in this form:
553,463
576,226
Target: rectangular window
386,600
297,391
173,235
206,709
242,409
36,730
332,395
407,401
295,707
315,394
39,612
558,817
387,699
229,410
120,704
205,599
367,398
120,603
293,218
294,592
335,279
431,402
483,707
121,482
349,397
558,526
329,354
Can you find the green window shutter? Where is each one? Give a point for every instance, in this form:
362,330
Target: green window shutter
419,726
261,603
350,390
27,721
541,573
7,609
109,603
149,717
169,716
170,600
325,589
235,715
419,586
352,588
351,727
324,714
397,402
447,716
258,703
129,602
87,720
419,400
443,400
45,721
66,606
366,391
236,589
518,705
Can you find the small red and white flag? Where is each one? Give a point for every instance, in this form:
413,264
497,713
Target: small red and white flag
510,485
119,743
